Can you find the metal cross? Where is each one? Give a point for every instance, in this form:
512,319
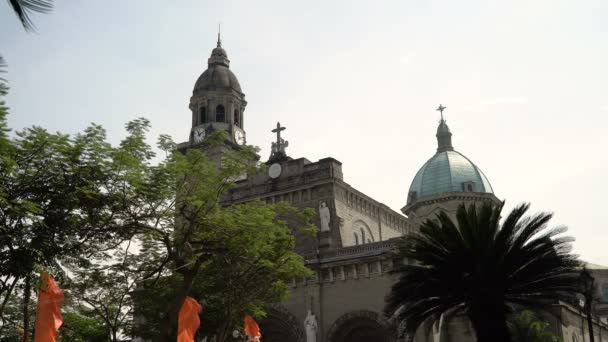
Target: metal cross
278,132
441,109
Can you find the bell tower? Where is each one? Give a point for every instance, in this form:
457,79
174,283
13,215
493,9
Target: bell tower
217,100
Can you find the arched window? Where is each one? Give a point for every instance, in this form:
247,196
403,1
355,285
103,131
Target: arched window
237,119
356,238
203,118
220,114
362,236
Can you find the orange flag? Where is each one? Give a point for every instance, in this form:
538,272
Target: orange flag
48,314
188,321
252,329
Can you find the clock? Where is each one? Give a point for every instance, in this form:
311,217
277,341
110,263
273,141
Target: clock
274,171
239,136
198,134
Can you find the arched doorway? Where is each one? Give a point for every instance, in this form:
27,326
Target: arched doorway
360,326
280,326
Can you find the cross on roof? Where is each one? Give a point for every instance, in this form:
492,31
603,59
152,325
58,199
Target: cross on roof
278,132
441,109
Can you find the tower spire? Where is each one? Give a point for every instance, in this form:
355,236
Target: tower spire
444,136
219,38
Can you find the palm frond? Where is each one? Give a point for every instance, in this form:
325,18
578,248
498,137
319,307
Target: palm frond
486,268
3,66
24,8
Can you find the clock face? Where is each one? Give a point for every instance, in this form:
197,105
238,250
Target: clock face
274,171
198,134
239,136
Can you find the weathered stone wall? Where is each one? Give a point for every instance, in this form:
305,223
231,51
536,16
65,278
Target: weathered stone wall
365,220
350,286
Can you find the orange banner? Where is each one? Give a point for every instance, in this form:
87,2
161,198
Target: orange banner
188,321
48,314
252,330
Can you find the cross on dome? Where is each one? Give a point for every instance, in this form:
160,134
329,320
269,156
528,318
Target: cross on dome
441,109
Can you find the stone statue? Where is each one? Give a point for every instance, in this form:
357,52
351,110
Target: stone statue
325,216
311,327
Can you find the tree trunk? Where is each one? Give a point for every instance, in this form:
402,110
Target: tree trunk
168,327
223,332
489,321
8,294
26,307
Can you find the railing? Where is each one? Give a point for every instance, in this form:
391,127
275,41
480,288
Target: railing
381,246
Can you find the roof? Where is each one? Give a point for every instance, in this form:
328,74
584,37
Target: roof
217,77
218,74
447,171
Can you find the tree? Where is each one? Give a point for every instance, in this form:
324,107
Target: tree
483,268
62,199
105,286
80,327
246,277
185,225
526,327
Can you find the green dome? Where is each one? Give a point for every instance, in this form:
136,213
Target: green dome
447,171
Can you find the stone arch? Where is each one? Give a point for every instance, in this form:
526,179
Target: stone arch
280,325
363,230
220,113
361,326
236,118
203,115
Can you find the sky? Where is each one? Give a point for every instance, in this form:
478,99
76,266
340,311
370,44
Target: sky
524,83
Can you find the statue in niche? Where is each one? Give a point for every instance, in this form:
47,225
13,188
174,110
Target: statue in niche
325,216
311,327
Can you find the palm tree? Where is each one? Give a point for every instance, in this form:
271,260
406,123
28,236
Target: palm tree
482,268
2,68
23,9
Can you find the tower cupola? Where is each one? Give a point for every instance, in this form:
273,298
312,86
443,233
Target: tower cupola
217,100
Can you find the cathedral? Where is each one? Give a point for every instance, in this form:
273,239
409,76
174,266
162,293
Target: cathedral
352,255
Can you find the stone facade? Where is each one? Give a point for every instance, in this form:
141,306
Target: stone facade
352,255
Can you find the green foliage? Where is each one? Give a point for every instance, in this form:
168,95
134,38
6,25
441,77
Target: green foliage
479,266
11,322
80,327
105,286
64,198
526,327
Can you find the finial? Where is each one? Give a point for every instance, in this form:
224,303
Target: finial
441,109
219,31
444,136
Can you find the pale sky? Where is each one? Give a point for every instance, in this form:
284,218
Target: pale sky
524,83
